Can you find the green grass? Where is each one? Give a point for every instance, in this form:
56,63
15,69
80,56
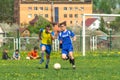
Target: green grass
87,68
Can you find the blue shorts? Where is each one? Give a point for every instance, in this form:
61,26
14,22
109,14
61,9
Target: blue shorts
48,48
67,49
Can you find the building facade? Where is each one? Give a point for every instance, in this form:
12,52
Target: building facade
53,10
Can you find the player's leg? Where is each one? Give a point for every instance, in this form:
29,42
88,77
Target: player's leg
48,51
64,57
72,60
47,60
64,54
43,48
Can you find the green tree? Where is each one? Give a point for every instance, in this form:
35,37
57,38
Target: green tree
102,26
41,23
6,10
115,24
104,7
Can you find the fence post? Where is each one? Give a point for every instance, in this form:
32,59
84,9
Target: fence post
18,37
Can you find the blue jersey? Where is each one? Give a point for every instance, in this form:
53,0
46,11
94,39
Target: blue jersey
16,55
65,37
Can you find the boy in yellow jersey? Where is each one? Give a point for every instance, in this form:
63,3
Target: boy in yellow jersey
46,36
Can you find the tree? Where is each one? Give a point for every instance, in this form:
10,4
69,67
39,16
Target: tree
105,6
41,23
102,26
6,10
115,24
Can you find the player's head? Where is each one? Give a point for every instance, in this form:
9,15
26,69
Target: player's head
16,51
56,27
35,48
62,25
47,28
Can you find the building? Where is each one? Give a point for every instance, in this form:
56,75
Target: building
53,10
92,23
24,32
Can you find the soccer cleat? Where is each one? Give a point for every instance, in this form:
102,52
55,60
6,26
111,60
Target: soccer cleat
41,61
46,66
73,67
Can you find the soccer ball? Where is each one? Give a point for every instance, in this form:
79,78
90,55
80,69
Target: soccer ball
28,58
57,66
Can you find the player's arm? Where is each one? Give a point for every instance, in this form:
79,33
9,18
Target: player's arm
52,35
40,34
74,38
72,34
19,57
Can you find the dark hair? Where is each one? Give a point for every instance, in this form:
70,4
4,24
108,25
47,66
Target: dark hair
16,50
62,23
35,48
54,23
48,26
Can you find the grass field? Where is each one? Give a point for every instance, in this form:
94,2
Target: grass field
87,68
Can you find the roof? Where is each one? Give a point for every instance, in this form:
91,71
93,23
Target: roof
89,21
57,1
22,29
109,19
33,21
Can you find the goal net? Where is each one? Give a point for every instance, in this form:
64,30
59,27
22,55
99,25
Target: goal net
100,33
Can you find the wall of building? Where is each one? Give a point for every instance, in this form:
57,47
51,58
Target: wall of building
28,12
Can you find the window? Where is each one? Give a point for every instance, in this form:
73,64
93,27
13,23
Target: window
46,15
70,22
76,15
70,15
46,8
29,8
65,15
26,31
70,8
29,15
65,8
76,21
35,8
76,8
41,8
81,8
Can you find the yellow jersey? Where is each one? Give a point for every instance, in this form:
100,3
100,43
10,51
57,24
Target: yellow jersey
46,38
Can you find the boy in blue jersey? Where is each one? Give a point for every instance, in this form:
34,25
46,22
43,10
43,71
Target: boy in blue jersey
66,43
16,55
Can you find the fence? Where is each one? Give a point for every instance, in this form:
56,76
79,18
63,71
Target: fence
93,43
8,43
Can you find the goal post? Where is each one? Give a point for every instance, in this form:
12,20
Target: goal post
84,27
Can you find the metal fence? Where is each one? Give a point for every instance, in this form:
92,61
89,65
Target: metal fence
7,43
93,43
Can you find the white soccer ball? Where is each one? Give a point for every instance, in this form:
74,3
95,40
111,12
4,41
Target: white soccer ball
57,66
28,58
